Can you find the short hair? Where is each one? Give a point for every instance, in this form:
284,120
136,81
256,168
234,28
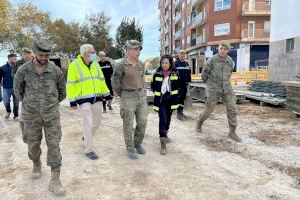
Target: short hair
84,48
11,55
170,58
102,53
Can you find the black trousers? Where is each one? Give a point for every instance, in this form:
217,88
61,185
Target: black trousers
165,114
182,97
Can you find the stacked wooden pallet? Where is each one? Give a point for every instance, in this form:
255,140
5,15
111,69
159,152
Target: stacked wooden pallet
293,95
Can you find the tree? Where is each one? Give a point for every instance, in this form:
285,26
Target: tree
65,37
25,23
154,63
5,8
95,31
129,29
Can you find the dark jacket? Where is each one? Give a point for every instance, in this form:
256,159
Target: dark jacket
5,74
184,72
107,70
156,84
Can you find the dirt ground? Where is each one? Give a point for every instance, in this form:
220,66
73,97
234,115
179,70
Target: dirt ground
266,165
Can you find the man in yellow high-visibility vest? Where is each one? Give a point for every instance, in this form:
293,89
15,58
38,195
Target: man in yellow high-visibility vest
86,87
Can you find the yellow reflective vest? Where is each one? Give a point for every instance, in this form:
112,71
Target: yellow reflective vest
86,84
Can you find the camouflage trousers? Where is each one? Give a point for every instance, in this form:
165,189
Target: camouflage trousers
229,101
134,106
33,134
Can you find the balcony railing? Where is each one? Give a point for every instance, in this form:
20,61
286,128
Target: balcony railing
258,8
198,20
176,2
177,34
196,2
256,35
177,17
197,41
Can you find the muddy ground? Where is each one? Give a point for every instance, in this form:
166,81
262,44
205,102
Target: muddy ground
266,165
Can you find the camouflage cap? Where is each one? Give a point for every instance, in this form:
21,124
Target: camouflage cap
133,44
27,50
41,47
226,44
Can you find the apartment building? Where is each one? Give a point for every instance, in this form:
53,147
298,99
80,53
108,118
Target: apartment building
285,41
197,26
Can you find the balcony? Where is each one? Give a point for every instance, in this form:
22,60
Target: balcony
177,49
198,41
177,17
177,34
197,2
176,2
257,9
258,35
199,20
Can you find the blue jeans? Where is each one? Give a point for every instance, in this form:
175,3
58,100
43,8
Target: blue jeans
7,94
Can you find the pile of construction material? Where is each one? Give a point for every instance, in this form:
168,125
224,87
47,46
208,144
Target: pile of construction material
293,95
275,88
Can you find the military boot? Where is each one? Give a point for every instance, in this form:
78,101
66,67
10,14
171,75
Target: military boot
132,153
36,170
232,134
199,126
139,148
55,184
163,144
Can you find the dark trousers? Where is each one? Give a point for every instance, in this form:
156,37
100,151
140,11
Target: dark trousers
7,94
182,97
165,114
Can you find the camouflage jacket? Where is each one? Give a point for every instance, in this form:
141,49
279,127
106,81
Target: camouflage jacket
127,76
40,94
216,74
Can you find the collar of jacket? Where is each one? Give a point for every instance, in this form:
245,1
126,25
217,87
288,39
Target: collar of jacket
47,68
159,71
223,59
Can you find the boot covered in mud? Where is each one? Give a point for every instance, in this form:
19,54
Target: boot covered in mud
55,184
163,143
37,169
232,134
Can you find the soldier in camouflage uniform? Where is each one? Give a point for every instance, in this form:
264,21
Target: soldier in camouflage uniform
40,85
128,82
216,74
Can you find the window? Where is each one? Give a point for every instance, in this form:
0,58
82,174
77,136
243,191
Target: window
251,29
183,23
290,45
188,20
183,6
222,5
182,42
188,39
267,26
222,29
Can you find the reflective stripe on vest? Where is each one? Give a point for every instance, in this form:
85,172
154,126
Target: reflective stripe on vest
158,78
174,107
157,93
174,92
173,78
82,78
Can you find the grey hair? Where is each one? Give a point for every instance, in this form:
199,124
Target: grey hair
84,48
